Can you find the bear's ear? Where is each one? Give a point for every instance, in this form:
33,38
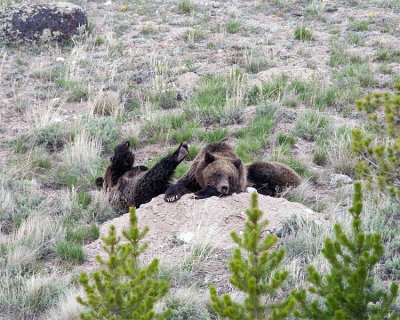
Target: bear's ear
237,163
112,158
209,157
128,144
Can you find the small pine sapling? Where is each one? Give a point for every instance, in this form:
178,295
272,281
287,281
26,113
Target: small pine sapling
122,289
348,291
253,267
380,152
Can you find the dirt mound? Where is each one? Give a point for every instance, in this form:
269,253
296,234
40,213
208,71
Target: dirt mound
176,228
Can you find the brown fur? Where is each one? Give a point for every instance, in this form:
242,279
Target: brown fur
139,185
217,170
121,162
271,178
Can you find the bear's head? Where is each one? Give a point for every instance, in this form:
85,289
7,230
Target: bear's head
123,157
224,174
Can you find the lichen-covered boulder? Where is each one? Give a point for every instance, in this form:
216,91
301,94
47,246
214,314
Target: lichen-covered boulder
32,22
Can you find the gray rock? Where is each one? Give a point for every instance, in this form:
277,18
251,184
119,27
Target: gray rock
338,180
185,237
215,4
330,8
32,22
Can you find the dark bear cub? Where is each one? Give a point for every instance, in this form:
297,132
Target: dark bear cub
121,162
218,171
130,186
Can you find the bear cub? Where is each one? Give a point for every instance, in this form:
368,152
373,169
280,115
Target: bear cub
130,186
218,171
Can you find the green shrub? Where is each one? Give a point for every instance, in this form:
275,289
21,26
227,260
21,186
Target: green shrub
379,161
123,289
348,291
52,136
254,272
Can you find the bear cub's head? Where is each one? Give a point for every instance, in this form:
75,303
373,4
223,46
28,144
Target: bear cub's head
223,174
123,157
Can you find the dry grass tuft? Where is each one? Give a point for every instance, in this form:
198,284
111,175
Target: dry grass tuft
83,152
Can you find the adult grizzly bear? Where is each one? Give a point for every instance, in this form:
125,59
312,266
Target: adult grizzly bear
130,186
217,170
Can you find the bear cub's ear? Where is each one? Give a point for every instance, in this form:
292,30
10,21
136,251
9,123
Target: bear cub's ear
237,163
209,158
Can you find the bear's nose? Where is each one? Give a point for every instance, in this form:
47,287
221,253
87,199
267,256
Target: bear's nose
224,189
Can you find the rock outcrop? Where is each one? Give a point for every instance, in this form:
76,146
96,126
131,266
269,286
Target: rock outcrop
32,22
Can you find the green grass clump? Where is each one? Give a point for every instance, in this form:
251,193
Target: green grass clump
70,251
193,35
99,41
82,234
299,166
77,90
194,150
320,155
165,99
254,62
355,74
185,6
302,33
105,129
186,133
284,138
233,26
339,56
181,170
312,125
255,136
212,136
360,26
160,128
248,147
355,39
388,55
218,100
24,295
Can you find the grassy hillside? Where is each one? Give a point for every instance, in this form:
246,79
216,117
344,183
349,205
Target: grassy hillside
279,77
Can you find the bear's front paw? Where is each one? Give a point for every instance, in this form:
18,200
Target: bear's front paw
207,192
174,193
181,152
